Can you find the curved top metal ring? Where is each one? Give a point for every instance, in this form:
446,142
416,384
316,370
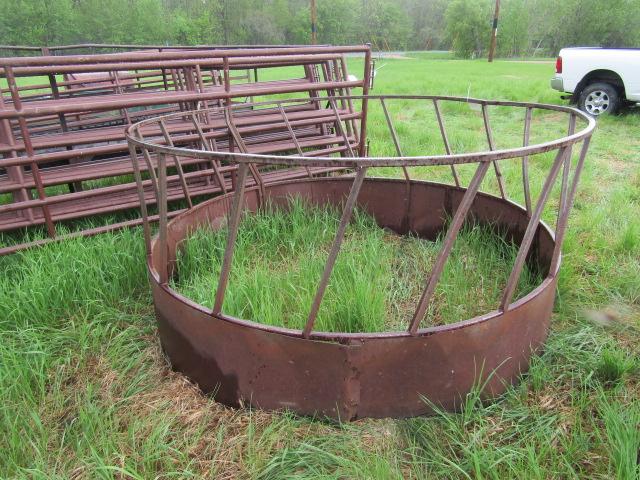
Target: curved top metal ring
383,161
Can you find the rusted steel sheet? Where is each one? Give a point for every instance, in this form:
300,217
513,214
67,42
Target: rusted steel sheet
351,376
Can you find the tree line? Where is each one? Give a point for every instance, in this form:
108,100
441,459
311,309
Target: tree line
526,27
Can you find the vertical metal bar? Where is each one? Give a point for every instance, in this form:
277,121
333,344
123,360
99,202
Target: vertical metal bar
525,161
147,160
26,138
344,74
447,246
365,102
204,144
35,170
212,143
293,135
15,173
227,102
205,103
562,222
326,72
445,139
234,222
313,94
335,249
189,79
214,163
215,77
174,79
177,86
165,84
565,171
235,134
190,84
394,136
183,182
141,197
199,79
227,79
113,76
181,81
125,113
341,127
162,214
309,73
53,83
530,232
339,77
487,128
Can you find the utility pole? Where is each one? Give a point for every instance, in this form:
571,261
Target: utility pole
314,15
494,32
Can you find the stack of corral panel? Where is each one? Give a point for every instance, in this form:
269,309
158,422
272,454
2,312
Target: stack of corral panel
63,121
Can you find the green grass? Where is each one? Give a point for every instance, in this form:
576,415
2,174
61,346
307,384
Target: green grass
86,392
280,254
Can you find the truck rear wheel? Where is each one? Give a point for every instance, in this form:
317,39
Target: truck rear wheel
599,99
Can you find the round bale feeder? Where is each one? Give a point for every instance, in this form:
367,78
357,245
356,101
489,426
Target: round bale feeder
354,375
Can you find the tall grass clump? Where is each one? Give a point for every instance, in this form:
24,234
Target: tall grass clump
71,276
280,254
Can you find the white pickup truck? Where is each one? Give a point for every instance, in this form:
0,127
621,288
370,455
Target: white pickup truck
599,79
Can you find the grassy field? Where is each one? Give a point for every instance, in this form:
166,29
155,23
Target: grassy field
87,393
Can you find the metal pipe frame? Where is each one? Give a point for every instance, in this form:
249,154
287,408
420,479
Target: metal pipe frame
66,125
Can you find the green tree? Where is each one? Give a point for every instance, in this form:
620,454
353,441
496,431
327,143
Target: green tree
468,27
36,22
338,21
513,38
386,25
526,26
194,22
427,24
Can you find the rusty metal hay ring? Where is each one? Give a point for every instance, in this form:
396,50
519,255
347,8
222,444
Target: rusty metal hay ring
355,375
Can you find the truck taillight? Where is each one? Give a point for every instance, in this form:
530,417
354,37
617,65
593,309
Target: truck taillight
559,65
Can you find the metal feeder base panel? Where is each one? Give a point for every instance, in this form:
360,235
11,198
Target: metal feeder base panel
350,376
